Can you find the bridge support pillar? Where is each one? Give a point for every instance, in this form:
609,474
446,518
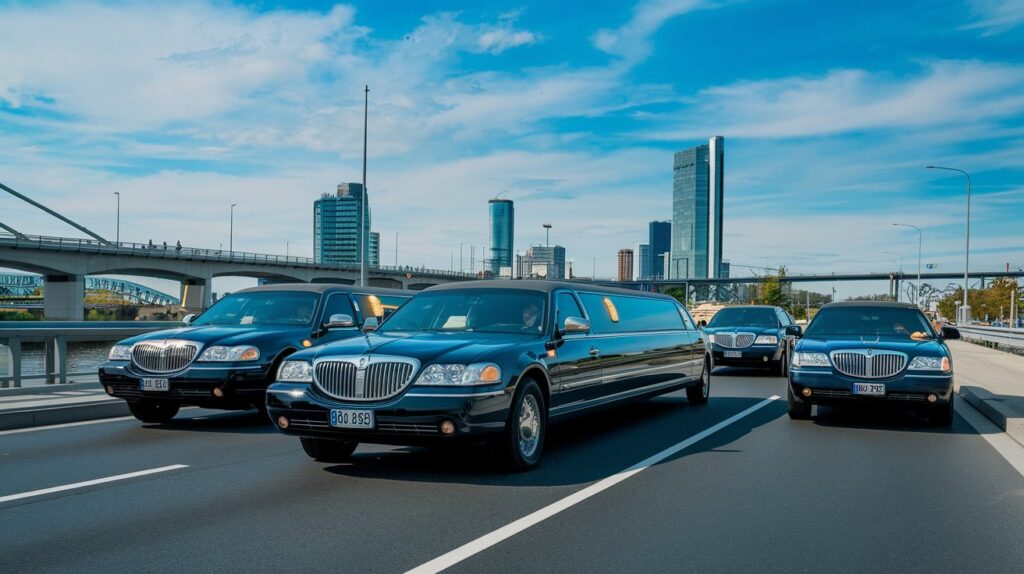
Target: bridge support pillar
64,297
197,294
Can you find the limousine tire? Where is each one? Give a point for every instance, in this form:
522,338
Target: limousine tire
698,394
519,446
798,410
327,450
781,368
150,411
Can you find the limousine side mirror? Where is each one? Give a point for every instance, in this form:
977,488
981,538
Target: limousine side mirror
701,324
187,319
794,331
576,325
950,333
370,324
339,321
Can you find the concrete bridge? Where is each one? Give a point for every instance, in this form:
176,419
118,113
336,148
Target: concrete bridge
65,262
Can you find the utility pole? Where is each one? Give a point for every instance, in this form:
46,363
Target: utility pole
363,239
396,250
461,269
547,234
231,231
965,308
117,232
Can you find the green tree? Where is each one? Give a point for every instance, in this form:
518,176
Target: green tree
771,289
992,302
678,292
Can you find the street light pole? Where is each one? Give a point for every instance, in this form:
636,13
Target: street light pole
363,231
396,249
965,308
920,237
547,234
117,232
231,231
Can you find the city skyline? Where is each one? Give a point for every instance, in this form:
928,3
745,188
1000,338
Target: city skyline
474,102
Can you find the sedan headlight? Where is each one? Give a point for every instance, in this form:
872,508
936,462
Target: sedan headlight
930,364
801,359
711,337
239,353
766,340
455,374
120,353
295,372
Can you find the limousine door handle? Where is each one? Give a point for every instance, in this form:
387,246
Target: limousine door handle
594,351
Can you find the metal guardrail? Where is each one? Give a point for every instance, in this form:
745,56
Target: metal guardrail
1000,336
165,251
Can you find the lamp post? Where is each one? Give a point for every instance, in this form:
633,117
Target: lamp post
117,232
920,237
231,232
363,228
396,250
965,308
901,269
547,234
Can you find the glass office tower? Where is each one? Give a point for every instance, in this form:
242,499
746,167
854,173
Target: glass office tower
502,219
697,193
659,238
336,226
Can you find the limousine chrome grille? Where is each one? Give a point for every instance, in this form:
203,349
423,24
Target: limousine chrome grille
164,356
734,340
869,363
362,379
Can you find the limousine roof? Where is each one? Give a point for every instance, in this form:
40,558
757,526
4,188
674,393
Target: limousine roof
325,287
871,304
543,286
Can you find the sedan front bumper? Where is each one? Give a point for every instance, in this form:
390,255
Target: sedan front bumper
241,385
828,387
752,356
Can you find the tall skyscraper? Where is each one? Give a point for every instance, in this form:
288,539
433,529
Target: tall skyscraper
697,190
659,238
625,264
642,264
336,229
374,260
502,218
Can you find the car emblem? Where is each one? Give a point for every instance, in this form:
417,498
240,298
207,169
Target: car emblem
362,362
869,352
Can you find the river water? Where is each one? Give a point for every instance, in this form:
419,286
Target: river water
83,357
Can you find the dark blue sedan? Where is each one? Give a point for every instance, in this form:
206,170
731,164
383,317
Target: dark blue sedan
869,352
752,336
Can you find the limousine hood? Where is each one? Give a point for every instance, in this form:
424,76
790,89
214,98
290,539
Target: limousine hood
424,347
223,334
754,330
930,347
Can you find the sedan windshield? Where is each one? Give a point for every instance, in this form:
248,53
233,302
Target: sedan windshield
897,322
484,311
262,308
745,317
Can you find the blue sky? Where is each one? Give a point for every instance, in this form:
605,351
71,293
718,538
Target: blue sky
829,110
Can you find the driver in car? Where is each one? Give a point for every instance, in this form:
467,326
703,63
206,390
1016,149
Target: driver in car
530,315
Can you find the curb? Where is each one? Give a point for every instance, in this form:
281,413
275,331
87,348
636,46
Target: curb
993,407
63,414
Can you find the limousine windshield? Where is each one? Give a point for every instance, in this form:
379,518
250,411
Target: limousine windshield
745,316
292,308
485,311
896,322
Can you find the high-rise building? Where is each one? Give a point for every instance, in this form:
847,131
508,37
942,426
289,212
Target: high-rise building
642,266
697,193
659,238
502,219
374,260
544,262
336,226
625,264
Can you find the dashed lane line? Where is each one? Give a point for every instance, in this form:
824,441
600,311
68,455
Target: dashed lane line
53,489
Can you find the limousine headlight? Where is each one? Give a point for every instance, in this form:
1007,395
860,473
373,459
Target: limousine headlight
120,353
239,353
295,372
811,360
711,337
766,340
930,364
456,374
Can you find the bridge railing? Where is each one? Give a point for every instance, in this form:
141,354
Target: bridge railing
1010,339
173,251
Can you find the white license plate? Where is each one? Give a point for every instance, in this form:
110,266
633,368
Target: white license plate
155,385
351,419
870,389
733,354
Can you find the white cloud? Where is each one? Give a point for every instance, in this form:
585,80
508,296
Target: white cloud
632,40
995,16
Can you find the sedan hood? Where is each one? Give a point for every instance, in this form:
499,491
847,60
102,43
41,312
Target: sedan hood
424,347
224,334
731,329
901,344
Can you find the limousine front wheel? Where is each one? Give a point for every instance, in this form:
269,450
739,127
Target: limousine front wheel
327,450
698,394
150,411
523,440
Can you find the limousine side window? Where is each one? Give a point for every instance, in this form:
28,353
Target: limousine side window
634,314
567,307
687,320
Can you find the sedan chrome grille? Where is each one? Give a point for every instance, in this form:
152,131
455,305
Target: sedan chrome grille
377,379
734,340
164,356
869,363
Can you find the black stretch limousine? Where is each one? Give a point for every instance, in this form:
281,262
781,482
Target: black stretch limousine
493,359
226,357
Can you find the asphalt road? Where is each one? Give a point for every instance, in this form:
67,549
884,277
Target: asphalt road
845,492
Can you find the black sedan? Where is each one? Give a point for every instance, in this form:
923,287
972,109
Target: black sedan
752,336
226,358
490,360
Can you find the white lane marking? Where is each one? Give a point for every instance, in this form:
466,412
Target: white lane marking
490,539
76,424
86,483
1008,448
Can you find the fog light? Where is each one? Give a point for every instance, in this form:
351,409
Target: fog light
806,392
218,392
282,422
110,390
447,428
932,398
765,359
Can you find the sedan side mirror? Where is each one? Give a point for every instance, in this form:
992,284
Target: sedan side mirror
950,333
339,321
187,319
701,324
370,324
576,325
794,331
